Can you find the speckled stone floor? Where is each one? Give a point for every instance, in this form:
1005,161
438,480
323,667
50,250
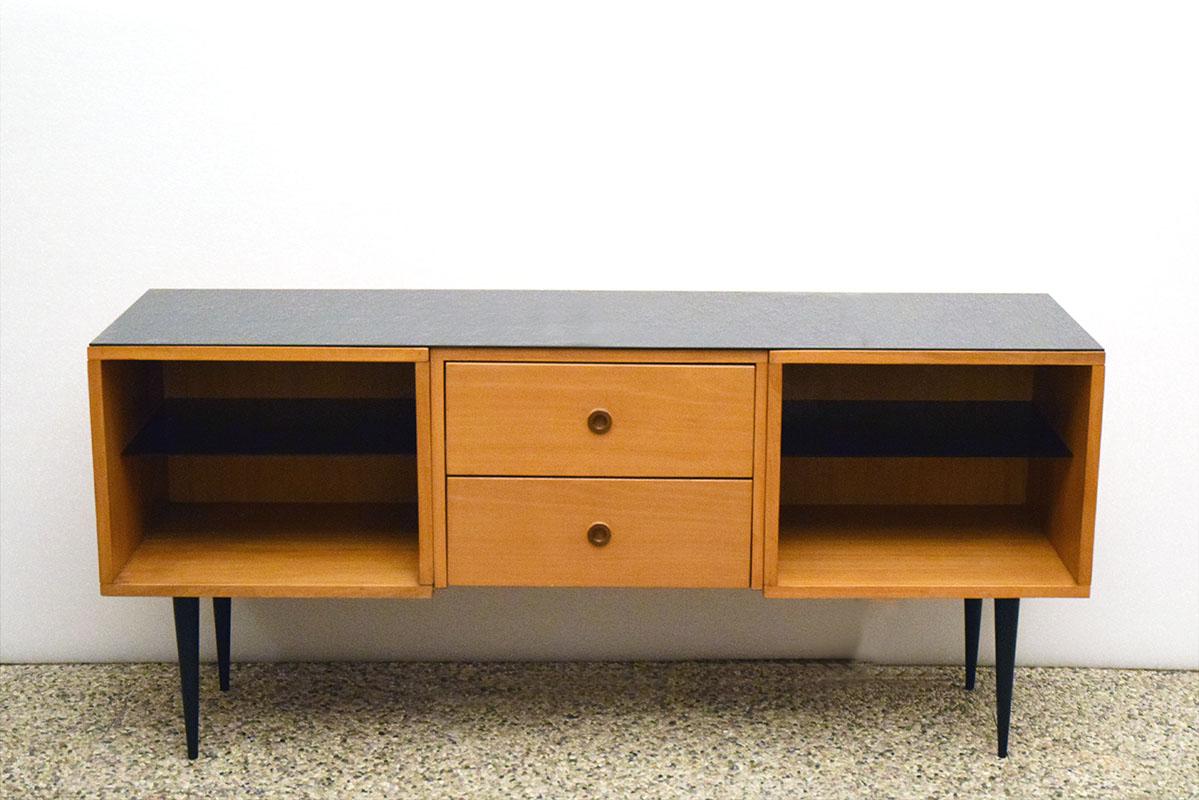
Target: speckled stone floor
684,729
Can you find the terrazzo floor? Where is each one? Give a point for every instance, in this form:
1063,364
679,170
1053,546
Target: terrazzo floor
596,730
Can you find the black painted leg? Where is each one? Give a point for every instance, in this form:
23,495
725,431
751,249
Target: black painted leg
187,638
974,616
221,612
1007,614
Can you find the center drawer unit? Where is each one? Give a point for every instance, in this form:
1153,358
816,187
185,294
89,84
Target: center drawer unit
594,473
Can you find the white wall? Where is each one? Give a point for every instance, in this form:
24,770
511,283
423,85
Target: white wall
852,146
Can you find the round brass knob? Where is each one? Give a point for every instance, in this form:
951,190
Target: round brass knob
599,421
599,534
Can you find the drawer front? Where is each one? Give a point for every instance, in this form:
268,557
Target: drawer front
669,420
542,532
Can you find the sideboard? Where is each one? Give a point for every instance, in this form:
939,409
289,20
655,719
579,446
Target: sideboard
330,443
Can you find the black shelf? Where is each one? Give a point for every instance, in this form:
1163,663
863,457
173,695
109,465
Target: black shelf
291,426
853,428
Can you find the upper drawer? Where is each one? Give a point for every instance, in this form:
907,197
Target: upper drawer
662,420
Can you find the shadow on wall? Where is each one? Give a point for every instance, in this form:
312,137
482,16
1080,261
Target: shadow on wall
587,624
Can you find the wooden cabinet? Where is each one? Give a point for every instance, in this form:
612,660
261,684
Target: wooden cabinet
387,444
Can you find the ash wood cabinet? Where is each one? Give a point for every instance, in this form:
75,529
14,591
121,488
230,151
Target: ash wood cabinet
390,443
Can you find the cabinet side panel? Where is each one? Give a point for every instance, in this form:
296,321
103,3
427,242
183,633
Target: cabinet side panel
758,539
95,392
1091,476
424,484
774,431
128,489
1063,489
437,465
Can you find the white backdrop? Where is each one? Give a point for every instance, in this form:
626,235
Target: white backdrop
853,146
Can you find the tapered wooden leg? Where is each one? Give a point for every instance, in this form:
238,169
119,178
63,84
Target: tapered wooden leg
187,639
221,613
1007,615
974,616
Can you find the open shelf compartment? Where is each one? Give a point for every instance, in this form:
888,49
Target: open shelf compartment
905,551
935,480
260,478
287,549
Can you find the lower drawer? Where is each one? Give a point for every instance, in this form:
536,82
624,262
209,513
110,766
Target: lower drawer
598,532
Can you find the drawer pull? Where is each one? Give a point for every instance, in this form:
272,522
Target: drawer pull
599,534
599,421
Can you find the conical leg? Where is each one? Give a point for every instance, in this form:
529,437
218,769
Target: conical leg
974,615
221,614
1007,615
187,640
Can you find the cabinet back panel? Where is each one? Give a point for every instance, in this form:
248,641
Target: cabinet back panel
266,379
292,479
903,481
906,382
